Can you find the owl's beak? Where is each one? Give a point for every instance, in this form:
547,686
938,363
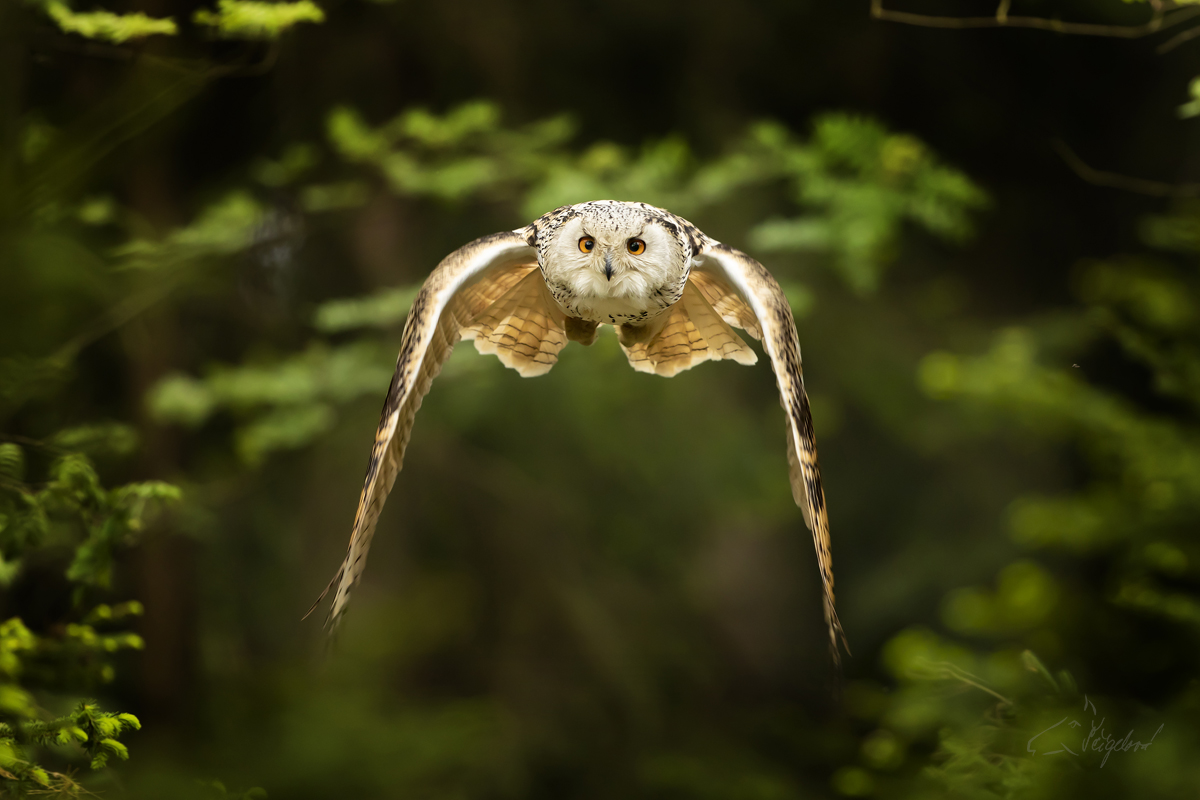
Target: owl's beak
608,270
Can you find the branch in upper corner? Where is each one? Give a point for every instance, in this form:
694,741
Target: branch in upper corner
1178,39
1159,21
1113,180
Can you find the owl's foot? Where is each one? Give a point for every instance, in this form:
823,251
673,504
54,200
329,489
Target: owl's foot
581,330
629,335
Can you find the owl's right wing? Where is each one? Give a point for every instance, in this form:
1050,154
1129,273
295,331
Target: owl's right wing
490,291
746,296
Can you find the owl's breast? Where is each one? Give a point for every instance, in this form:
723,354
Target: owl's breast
612,302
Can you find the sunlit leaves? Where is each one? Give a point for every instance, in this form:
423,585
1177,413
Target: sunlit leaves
854,183
87,731
383,309
285,404
283,428
63,504
226,227
1133,513
251,19
1192,107
862,182
97,439
461,154
105,25
73,496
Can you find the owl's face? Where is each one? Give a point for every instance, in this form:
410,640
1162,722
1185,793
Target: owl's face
614,250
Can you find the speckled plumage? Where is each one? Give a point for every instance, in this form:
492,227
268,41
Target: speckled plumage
522,295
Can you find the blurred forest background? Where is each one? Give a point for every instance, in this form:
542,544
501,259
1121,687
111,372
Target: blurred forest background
213,219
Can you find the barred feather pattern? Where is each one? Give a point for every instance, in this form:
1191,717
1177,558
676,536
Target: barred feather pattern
732,308
525,329
690,333
467,282
737,284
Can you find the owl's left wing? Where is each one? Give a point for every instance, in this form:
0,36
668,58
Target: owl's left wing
489,290
746,296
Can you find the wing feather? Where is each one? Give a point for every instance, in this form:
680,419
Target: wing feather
467,283
691,332
737,286
525,328
732,308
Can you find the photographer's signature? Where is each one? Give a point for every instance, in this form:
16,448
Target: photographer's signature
1098,739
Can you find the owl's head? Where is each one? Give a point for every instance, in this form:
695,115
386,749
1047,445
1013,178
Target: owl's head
608,248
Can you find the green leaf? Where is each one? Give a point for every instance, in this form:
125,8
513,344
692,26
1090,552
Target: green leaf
102,438
251,19
285,428
106,727
116,748
1192,107
182,399
381,310
107,26
12,461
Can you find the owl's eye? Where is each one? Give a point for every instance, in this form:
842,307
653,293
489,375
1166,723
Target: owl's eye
587,244
637,246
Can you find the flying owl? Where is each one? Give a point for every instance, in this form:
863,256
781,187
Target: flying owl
674,296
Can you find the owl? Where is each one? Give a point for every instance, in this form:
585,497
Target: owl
674,296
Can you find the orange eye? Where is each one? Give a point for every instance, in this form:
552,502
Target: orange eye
637,246
587,244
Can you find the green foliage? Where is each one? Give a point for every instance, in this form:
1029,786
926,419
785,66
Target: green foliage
285,404
72,504
863,182
233,19
382,310
227,226
250,19
996,735
67,512
86,729
105,25
1192,107
856,182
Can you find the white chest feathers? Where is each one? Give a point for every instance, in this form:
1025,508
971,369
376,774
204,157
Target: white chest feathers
628,301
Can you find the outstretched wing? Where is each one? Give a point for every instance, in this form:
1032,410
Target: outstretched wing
478,290
746,296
